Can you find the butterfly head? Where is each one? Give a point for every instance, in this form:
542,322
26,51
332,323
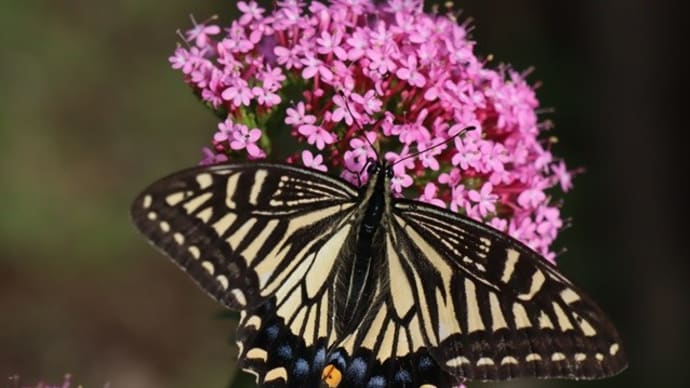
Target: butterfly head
381,171
375,167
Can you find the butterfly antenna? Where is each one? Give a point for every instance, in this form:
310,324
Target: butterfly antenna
358,125
433,146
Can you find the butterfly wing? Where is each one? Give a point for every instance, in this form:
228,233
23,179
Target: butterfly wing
490,308
242,230
263,239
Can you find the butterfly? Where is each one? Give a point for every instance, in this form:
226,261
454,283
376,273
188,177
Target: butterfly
340,286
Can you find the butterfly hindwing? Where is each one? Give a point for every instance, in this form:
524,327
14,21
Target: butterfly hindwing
269,350
491,308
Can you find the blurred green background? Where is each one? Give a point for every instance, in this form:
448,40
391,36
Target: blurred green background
90,113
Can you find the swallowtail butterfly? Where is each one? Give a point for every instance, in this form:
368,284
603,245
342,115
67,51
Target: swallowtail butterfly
346,287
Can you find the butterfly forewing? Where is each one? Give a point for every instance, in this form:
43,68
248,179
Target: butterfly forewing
492,309
241,230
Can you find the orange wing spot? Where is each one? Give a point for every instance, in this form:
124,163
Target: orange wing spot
331,376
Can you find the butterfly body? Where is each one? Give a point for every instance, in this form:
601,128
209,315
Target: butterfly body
356,277
351,287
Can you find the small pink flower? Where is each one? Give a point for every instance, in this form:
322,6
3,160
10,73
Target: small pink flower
468,155
238,93
548,222
356,178
211,157
250,11
485,199
331,43
265,97
202,75
180,59
342,111
238,44
564,177
356,158
200,34
288,57
451,178
400,160
459,198
493,156
272,78
237,40
244,138
343,78
212,97
311,161
427,54
381,59
522,230
362,147
313,66
429,195
380,35
499,224
299,116
543,160
410,72
428,158
225,130
316,135
531,198
368,102
358,44
400,180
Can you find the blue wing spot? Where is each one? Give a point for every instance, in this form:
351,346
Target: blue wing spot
403,376
425,362
285,351
272,332
377,382
338,360
357,370
335,356
301,368
320,358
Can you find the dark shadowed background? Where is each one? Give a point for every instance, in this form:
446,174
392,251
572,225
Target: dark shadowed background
90,113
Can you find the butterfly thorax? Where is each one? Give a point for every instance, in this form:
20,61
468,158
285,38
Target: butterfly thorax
356,277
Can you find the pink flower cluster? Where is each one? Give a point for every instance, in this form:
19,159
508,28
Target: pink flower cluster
15,382
319,73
